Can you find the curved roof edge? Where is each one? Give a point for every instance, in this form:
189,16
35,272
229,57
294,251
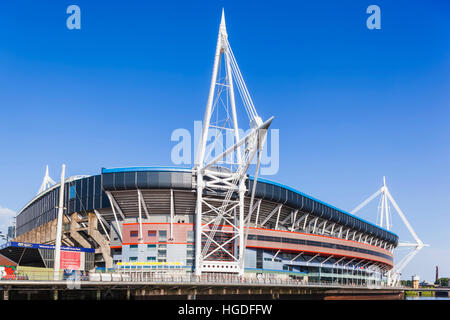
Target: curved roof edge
153,168
186,169
320,201
189,170
56,185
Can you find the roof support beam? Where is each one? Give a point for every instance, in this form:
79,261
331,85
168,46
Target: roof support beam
249,215
144,205
315,223
289,216
115,204
112,201
339,261
297,223
304,224
354,266
102,223
276,254
324,224
321,224
271,214
348,262
293,219
312,259
278,217
257,213
141,236
332,228
321,264
295,258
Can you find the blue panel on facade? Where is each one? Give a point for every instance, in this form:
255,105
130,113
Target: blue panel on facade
141,179
308,205
165,179
119,179
108,181
130,180
153,180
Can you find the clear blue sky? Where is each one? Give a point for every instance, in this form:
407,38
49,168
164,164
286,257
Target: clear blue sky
351,104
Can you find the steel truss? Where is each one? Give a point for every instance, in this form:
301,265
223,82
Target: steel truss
220,221
298,220
386,221
47,182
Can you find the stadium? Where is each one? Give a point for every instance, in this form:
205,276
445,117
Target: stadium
144,218
211,219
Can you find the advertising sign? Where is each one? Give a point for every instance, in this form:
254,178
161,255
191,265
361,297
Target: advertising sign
70,260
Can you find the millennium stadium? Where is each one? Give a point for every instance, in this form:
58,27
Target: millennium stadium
217,218
145,218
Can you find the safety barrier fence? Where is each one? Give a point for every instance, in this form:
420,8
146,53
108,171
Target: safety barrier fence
44,275
214,279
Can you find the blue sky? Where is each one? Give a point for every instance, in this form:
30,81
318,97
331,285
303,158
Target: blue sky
352,104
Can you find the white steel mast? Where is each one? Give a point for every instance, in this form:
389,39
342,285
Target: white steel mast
224,215
386,222
59,226
47,182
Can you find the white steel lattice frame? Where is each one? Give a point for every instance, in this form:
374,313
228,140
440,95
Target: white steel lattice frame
229,209
393,276
47,182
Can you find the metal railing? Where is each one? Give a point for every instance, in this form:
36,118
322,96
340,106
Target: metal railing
137,276
166,278
44,275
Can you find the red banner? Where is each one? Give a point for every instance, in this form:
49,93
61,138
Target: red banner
70,260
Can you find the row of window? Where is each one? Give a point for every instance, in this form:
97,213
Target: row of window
270,259
149,259
317,244
161,252
134,247
162,234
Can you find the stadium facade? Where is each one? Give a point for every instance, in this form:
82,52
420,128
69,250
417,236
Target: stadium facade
144,218
213,218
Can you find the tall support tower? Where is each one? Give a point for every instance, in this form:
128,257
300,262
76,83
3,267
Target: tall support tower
47,182
386,222
220,216
57,263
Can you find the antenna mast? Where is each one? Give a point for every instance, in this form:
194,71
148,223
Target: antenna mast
386,198
47,182
219,227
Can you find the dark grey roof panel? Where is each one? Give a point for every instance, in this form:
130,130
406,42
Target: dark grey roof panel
273,192
113,181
